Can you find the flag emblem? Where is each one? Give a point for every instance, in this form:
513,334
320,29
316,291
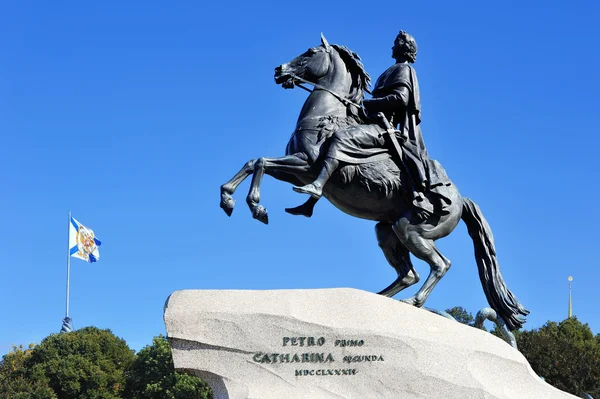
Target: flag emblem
83,244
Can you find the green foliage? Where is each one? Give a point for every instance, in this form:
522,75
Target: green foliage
85,364
461,315
152,376
13,382
13,361
566,354
94,364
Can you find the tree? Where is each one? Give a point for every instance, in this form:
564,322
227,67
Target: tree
89,363
153,376
566,354
461,315
13,382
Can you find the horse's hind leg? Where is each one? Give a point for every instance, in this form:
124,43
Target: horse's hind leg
227,189
398,257
425,250
289,166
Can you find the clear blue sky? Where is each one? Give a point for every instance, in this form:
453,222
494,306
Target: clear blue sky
132,114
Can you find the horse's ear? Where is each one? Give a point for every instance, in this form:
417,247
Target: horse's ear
325,43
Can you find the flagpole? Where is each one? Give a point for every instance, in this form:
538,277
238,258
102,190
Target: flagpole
66,325
68,264
570,298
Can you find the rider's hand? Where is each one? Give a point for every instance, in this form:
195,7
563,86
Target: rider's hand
364,114
401,135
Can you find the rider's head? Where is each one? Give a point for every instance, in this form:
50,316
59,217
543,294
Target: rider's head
405,48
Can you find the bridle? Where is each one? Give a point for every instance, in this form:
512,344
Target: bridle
343,100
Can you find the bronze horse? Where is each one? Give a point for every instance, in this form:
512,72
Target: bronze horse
370,191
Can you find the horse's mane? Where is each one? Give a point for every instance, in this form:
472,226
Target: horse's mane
360,78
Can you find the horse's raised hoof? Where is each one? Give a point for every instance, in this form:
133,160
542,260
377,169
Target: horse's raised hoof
227,204
260,213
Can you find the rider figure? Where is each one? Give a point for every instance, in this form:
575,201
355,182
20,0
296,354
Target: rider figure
396,95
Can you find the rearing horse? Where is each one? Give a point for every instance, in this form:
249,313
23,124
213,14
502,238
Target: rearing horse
372,190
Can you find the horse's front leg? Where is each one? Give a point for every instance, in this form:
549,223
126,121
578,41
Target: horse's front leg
288,166
227,189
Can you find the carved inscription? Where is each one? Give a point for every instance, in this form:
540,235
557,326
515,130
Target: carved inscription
293,358
315,351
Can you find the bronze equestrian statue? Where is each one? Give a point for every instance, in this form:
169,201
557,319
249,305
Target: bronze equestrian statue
368,158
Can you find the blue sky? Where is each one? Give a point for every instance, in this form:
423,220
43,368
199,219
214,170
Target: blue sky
132,114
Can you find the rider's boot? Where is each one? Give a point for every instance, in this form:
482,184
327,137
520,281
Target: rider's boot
305,209
315,189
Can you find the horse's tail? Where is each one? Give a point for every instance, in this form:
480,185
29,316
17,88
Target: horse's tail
497,293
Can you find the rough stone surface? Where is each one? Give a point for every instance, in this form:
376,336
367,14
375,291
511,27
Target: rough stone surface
235,341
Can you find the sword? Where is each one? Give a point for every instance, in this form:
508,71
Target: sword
390,132
419,200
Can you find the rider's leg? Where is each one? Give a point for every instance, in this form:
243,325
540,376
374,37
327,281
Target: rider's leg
305,209
315,189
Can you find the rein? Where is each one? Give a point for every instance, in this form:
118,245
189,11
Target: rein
344,101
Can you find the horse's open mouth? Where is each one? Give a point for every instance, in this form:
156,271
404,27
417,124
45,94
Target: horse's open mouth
286,81
283,79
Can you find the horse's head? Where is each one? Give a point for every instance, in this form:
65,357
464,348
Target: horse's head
312,65
335,68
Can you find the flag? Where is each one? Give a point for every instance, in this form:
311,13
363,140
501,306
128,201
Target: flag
83,244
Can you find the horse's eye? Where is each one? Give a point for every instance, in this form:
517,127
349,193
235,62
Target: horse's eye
311,51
